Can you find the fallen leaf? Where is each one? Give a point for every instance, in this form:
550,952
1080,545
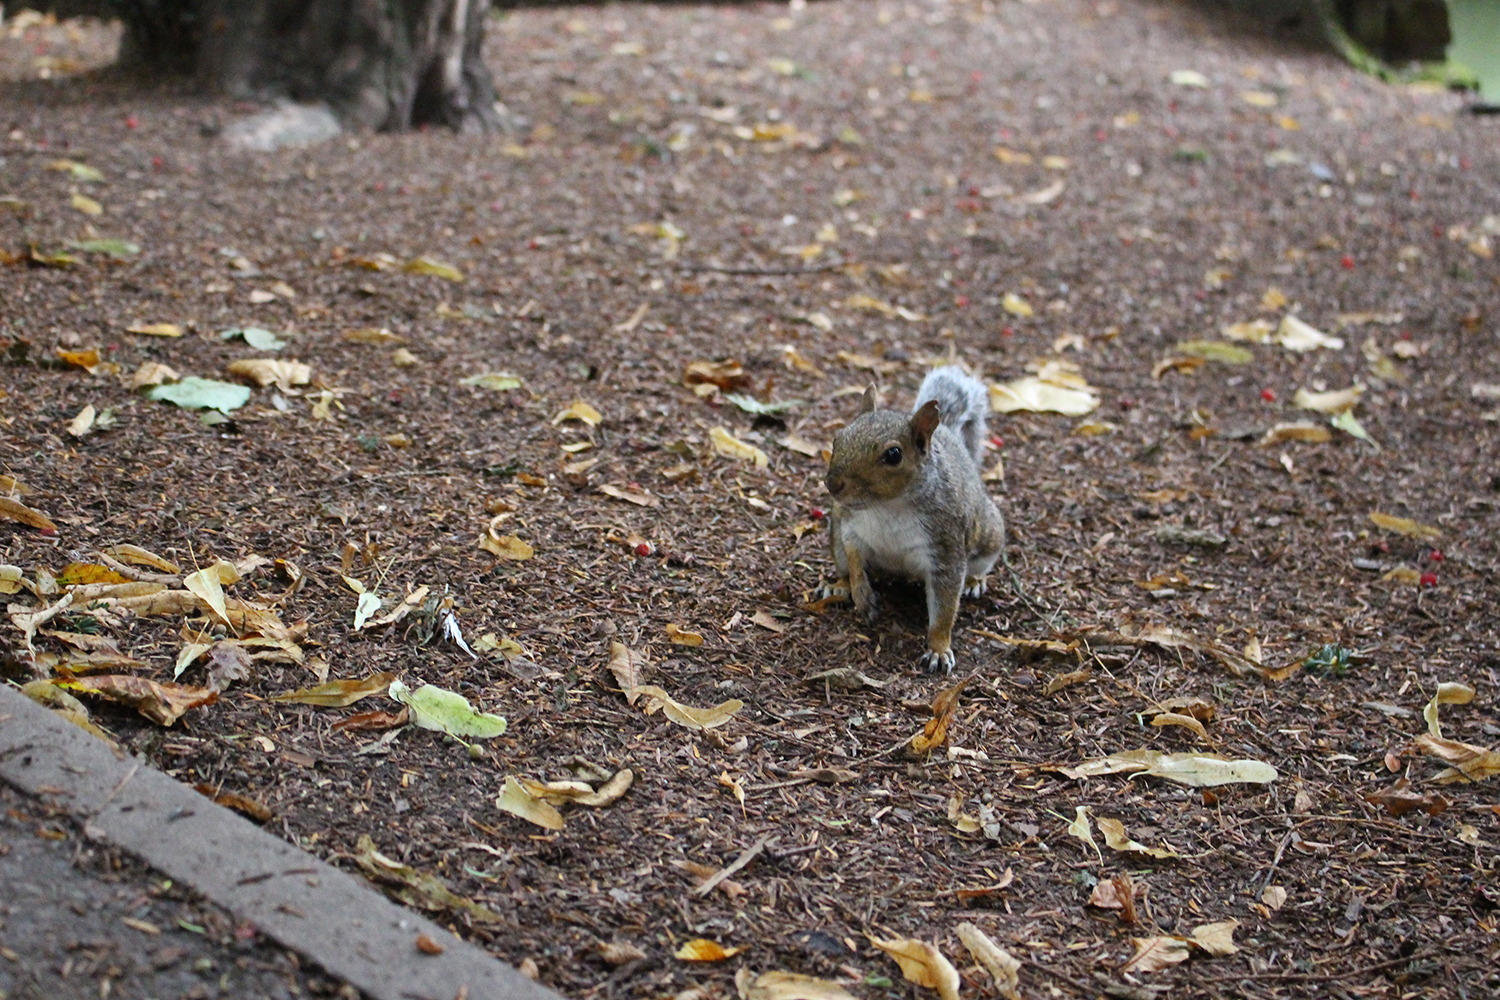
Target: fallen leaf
515,800
1116,839
1186,721
778,985
376,335
79,171
1192,769
1404,526
153,373
435,268
723,375
638,497
83,422
581,793
86,205
1081,829
161,703
729,446
365,607
14,510
688,716
496,381
202,394
922,963
416,888
205,584
1216,350
155,329
376,719
682,637
266,371
1336,401
1004,968
1447,693
1301,431
935,733
256,337
767,622
446,711
1154,954
1216,938
507,547
579,410
1033,394
1469,762
409,603
338,693
703,950
118,249
628,667
1115,893
1400,801
428,946
1274,896
1349,424
1295,335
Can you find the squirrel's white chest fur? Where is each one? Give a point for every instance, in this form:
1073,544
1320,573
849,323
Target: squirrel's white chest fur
891,537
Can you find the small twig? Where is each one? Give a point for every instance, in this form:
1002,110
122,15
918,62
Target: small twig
1276,861
1282,977
1078,985
139,576
760,271
748,855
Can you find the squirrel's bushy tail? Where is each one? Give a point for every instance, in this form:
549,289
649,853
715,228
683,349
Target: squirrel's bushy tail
964,403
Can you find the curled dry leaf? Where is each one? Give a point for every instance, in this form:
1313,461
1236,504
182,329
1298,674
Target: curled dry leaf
639,497
1404,526
725,375
1186,721
704,950
1193,770
1300,431
435,268
618,953
1115,893
162,703
338,693
516,800
1296,335
141,557
1116,839
1469,762
935,733
1401,800
415,887
923,964
1337,401
14,510
268,371
580,792
629,668
688,716
205,585
155,329
778,985
1002,966
374,721
1154,954
1447,693
682,637
579,410
1081,829
729,446
1034,394
508,547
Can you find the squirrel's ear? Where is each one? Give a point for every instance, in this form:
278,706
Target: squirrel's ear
924,422
867,401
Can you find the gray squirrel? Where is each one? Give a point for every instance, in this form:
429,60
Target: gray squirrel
908,501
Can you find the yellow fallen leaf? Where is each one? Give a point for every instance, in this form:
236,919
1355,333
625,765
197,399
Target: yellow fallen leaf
506,547
266,371
515,800
1447,693
1336,401
1157,953
1081,829
1304,432
703,950
1216,938
923,964
435,268
628,667
1116,839
729,446
1015,305
688,716
778,985
1003,967
1404,526
1033,394
152,373
87,205
579,410
682,637
83,422
156,329
205,585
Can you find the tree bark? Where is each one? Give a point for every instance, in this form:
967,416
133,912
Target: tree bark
384,64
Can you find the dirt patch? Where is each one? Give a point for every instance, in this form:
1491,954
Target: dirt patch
699,183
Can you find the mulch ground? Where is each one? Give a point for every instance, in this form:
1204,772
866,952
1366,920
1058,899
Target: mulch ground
693,183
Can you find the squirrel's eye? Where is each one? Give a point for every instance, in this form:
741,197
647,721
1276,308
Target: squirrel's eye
891,456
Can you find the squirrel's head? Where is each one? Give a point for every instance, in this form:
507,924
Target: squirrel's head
879,453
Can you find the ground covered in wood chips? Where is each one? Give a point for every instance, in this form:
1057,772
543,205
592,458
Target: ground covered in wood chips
827,195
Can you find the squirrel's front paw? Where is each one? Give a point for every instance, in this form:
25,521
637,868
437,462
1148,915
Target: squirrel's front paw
975,586
838,590
868,605
933,662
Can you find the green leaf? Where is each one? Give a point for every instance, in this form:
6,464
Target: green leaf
1349,424
446,711
261,340
752,405
498,381
436,268
119,249
195,393
1216,350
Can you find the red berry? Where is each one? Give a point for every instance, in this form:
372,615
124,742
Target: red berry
960,300
1007,332
1347,262
1436,556
157,163
818,513
1429,579
643,549
996,442
1269,395
1127,404
131,121
380,185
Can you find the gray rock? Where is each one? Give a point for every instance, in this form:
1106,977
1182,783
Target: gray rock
285,126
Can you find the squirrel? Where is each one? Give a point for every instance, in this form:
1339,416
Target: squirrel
908,501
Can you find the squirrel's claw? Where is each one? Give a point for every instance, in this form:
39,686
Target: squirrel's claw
838,590
933,662
975,586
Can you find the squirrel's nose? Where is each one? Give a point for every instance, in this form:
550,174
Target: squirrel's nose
834,483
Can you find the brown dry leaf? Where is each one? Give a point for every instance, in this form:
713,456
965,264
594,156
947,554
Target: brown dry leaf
376,719
1081,829
12,485
935,733
1404,526
14,510
266,371
639,497
802,446
153,373
1003,967
155,329
1470,763
1154,954
1116,839
1115,893
205,584
1400,801
729,446
778,985
767,622
517,801
703,950
1216,938
410,603
922,963
338,693
688,716
1186,721
725,375
1447,693
629,668
682,637
616,953
239,803
141,557
416,888
1196,770
792,358
161,703
1198,708
1067,680
579,410
1177,363
376,335
1274,896
504,546
1300,431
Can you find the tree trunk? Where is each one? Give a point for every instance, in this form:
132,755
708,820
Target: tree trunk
385,64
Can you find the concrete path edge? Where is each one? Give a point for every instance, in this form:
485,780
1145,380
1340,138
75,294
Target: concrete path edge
334,918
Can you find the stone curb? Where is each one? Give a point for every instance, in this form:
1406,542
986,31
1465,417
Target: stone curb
330,916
